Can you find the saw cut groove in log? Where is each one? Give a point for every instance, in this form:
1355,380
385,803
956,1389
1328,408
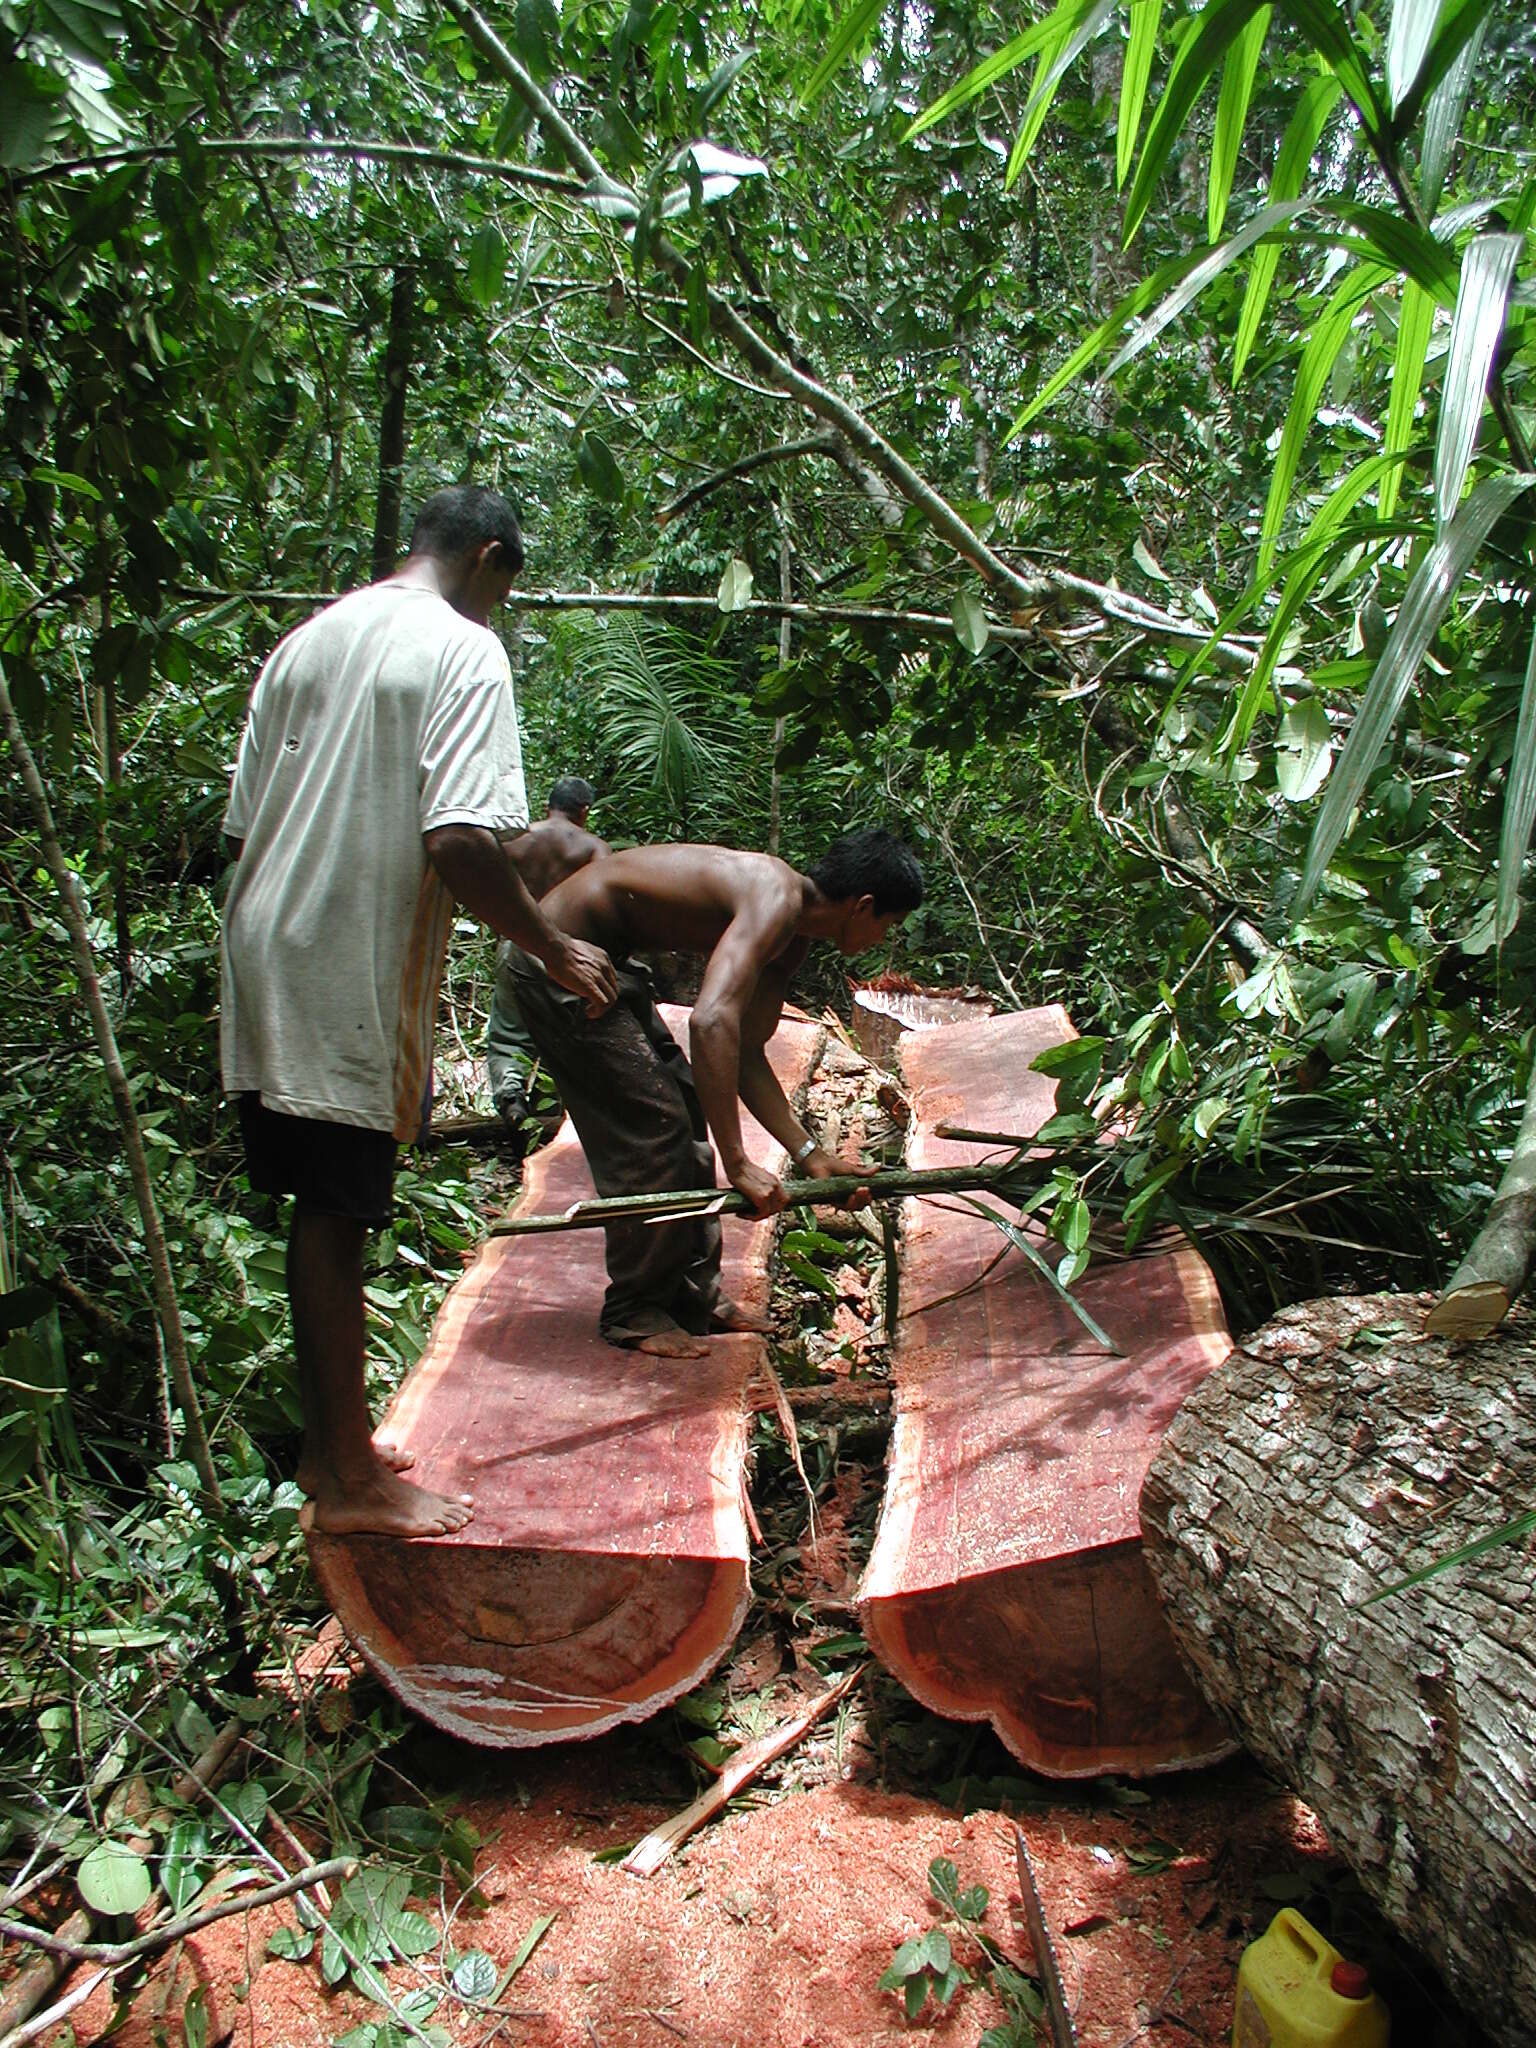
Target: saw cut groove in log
1007,1581
605,1571
1334,1455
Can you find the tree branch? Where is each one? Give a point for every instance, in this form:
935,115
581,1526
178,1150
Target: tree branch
782,451
115,1954
280,146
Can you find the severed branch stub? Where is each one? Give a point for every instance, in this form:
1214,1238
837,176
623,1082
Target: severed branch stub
1485,1284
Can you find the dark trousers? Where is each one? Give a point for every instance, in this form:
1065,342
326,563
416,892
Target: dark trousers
630,1094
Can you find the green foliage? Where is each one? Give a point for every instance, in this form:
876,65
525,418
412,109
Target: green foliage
924,1966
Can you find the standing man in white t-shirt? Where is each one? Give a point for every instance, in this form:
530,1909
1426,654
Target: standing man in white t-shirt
379,762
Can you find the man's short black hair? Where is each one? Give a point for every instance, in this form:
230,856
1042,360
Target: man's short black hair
870,863
572,794
453,522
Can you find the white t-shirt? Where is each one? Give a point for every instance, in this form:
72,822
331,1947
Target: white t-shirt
383,717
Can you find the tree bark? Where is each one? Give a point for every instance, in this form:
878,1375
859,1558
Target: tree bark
1334,1455
397,379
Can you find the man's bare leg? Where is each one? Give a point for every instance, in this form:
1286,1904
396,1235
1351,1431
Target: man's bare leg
354,1486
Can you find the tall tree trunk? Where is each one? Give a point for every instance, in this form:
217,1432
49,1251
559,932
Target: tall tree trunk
397,379
1333,1456
122,1096
781,724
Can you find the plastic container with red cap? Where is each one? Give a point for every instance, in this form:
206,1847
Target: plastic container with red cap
1294,1990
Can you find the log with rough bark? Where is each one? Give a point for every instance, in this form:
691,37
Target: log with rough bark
605,1571
1007,1581
1337,1453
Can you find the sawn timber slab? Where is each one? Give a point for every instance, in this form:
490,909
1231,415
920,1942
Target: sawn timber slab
605,1571
1007,1581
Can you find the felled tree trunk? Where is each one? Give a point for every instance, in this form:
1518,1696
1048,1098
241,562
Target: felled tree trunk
605,1571
1335,1454
1007,1581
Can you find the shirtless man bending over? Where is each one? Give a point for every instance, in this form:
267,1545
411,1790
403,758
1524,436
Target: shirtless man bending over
644,1119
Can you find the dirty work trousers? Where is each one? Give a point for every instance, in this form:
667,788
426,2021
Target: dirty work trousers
510,1054
630,1094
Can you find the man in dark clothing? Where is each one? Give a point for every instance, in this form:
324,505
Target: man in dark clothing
544,855
643,1123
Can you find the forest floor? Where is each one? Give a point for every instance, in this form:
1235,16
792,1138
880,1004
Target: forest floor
774,1924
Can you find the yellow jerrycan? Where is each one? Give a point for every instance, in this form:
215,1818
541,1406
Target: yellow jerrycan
1294,1990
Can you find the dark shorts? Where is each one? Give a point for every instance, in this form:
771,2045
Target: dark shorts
336,1169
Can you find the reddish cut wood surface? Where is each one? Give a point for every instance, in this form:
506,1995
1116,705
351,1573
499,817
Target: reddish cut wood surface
1007,1580
605,1570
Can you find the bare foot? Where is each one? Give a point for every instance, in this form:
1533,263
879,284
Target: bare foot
383,1504
672,1344
730,1315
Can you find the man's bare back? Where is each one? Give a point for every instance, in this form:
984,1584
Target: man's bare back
551,850
682,897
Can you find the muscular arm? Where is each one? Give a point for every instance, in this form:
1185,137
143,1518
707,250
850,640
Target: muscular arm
476,870
727,1036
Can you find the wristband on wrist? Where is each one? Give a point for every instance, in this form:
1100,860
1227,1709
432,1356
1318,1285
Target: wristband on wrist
803,1152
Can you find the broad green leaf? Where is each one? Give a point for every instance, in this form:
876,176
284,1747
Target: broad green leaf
1219,27
1438,574
1074,1223
1291,165
290,1945
184,1863
1237,75
1328,335
66,480
1460,22
1044,1268
906,1962
599,470
1442,121
114,1879
1487,269
1305,566
86,28
1051,68
851,30
1415,324
720,81
1303,750
487,265
474,1975
1326,27
1269,220
1135,75
970,622
1073,1056
1208,1114
1408,41
735,586
1047,34
1519,801
31,113
1391,238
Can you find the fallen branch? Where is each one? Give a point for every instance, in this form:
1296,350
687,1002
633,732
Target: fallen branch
115,1953
648,1855
34,1980
1493,1272
1007,1176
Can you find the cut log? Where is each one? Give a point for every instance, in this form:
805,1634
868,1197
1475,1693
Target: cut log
1007,1581
605,1571
1335,1454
